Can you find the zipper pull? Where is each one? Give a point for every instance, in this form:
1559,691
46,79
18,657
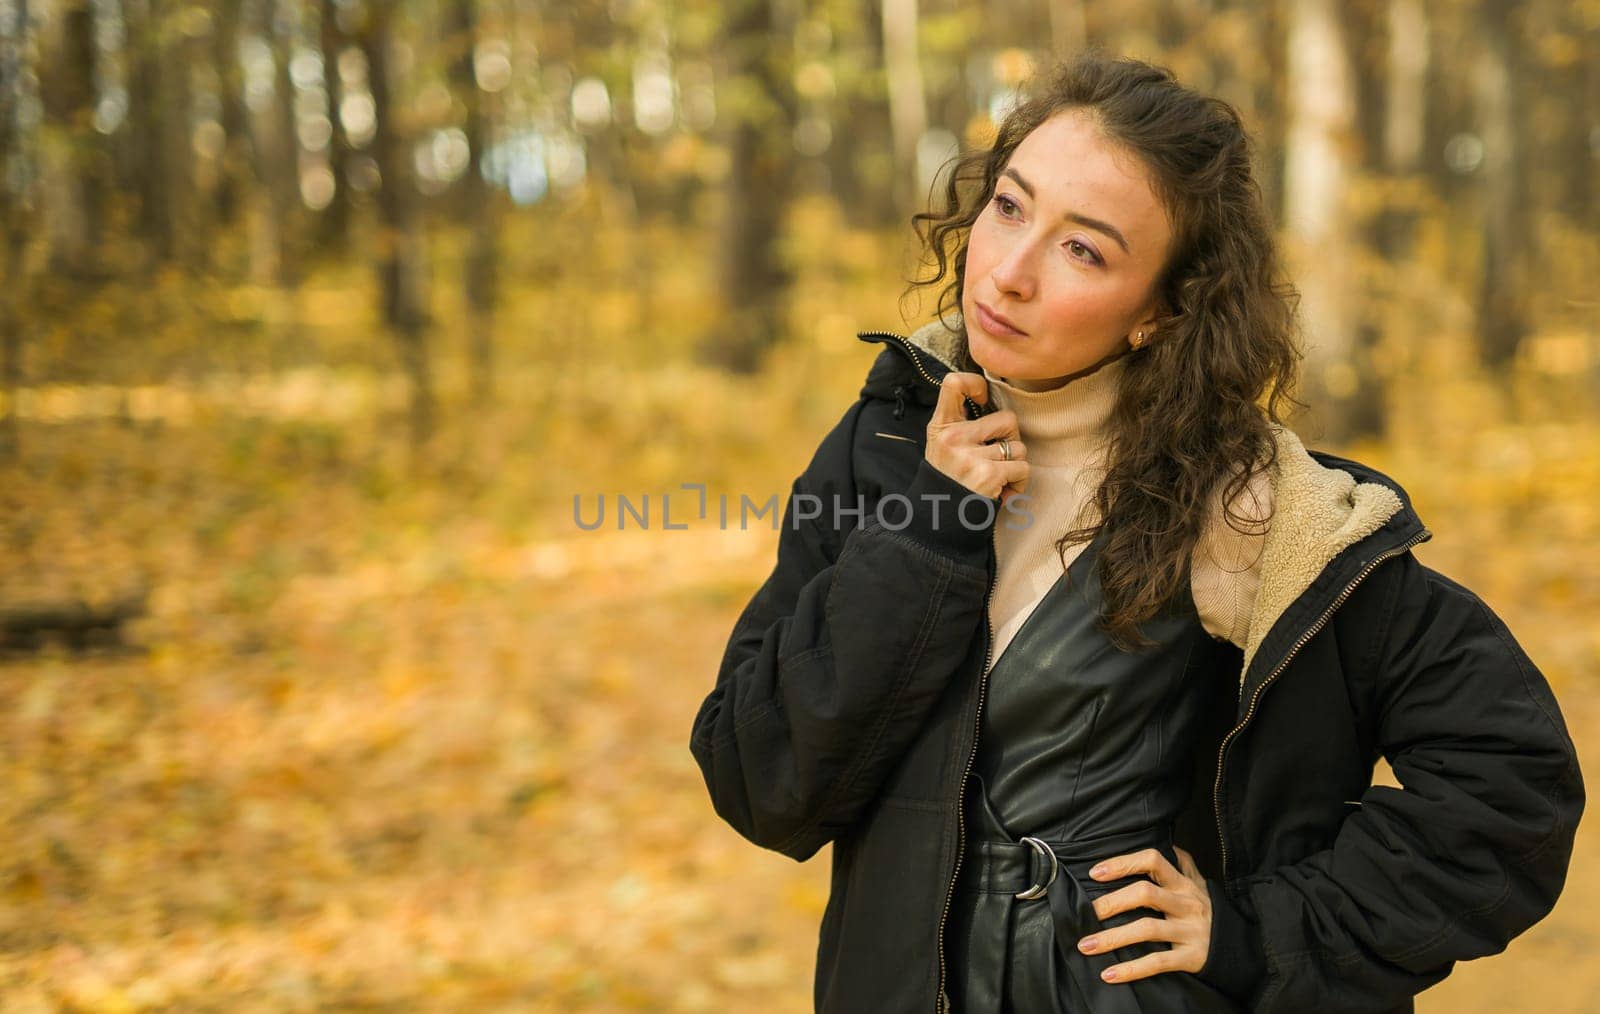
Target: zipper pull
900,401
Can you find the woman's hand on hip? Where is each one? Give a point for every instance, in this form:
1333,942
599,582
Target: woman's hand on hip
1178,894
969,450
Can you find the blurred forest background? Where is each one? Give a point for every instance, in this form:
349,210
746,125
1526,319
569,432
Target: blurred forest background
317,316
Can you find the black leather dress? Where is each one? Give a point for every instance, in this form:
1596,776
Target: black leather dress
1085,748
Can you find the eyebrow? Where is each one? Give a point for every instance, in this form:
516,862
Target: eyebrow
1072,216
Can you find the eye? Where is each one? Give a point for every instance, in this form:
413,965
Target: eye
1005,204
1087,254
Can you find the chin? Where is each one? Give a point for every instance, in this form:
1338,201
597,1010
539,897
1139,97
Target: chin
979,354
997,361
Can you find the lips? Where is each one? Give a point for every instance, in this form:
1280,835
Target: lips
996,324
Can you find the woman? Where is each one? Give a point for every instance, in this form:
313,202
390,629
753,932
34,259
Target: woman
1058,596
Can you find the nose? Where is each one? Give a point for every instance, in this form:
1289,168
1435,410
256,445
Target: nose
1014,273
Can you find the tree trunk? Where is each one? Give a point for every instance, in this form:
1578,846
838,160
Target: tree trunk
233,167
1404,126
284,167
1317,175
399,249
73,191
1449,111
1587,201
17,205
335,221
147,120
908,107
479,267
1580,84
1272,37
1364,32
861,157
1502,300
755,281
190,243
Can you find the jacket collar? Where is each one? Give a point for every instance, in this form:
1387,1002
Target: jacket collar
1332,518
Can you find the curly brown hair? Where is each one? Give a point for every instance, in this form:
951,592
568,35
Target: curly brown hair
1190,423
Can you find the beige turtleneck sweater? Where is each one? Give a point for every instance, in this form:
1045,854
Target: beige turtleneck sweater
1063,429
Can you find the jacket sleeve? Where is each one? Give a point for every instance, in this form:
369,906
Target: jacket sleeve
1472,851
841,654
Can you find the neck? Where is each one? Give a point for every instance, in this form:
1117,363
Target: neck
1064,423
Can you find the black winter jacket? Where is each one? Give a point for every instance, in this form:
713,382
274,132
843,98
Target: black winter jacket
846,710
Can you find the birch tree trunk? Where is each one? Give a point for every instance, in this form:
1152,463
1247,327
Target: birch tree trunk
908,107
1405,120
1317,174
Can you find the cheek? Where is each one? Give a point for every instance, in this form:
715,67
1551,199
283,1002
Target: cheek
1075,303
980,249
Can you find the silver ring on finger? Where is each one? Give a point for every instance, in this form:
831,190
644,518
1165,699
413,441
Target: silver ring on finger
1005,449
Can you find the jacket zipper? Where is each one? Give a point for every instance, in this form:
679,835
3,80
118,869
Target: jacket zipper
973,411
1306,635
915,355
910,350
961,785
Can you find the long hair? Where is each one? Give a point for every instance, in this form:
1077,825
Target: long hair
1189,426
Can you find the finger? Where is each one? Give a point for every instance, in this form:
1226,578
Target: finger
994,426
1015,474
1138,931
1002,475
1148,861
1171,960
1012,490
983,434
1019,450
952,389
1140,894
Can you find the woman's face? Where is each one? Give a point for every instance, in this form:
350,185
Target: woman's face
1067,252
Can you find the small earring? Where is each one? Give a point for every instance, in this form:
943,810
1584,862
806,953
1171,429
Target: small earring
1138,340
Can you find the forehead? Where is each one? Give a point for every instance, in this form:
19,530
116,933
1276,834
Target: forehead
1073,167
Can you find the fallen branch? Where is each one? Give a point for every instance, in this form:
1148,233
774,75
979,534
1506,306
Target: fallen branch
79,625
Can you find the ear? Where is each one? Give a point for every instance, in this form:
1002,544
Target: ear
1142,332
1154,310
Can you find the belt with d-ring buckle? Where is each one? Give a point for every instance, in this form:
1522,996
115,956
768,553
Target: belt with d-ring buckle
1037,890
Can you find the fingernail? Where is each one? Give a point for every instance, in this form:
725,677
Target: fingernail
1098,871
1087,945
1110,975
